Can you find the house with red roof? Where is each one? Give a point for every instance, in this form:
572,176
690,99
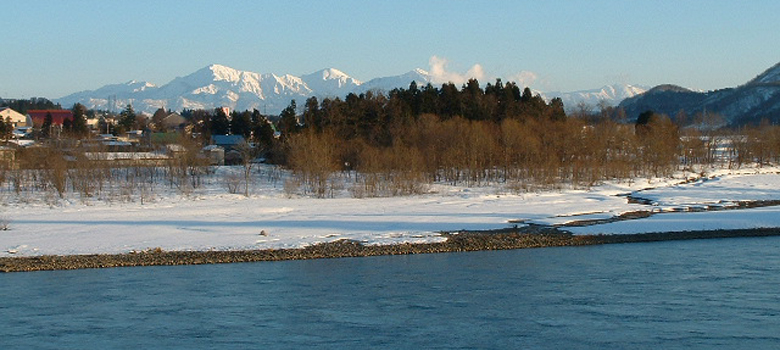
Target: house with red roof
58,116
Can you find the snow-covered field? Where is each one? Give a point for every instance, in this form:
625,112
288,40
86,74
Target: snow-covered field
211,219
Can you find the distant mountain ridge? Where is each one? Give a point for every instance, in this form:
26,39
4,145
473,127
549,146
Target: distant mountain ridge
757,99
217,85
611,94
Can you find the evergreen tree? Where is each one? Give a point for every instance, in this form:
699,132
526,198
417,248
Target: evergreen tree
288,122
219,123
413,98
450,101
127,118
472,95
79,124
187,114
556,109
6,128
157,119
201,123
509,101
429,98
644,117
333,116
532,106
67,126
263,131
241,124
527,95
46,126
371,124
398,110
642,126
256,117
312,118
495,103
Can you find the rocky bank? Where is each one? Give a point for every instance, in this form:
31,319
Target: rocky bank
515,238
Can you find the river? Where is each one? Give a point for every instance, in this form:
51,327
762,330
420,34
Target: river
718,293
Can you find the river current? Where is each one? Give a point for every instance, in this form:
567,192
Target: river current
699,294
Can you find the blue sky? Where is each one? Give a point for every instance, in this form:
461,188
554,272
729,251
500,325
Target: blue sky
53,48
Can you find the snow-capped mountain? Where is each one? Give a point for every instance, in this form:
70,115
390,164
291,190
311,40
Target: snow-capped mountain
331,82
749,103
207,88
419,76
217,85
125,90
610,94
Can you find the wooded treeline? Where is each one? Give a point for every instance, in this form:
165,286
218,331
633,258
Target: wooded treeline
23,105
412,137
400,142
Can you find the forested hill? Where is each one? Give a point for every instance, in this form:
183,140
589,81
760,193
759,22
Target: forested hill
757,99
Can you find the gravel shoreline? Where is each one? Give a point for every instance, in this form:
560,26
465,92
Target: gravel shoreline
516,238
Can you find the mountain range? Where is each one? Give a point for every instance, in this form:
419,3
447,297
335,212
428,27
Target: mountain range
757,99
217,85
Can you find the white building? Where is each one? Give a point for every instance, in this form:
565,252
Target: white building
17,119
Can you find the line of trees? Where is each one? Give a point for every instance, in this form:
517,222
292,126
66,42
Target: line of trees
22,106
252,125
400,142
524,153
410,137
378,118
474,136
53,173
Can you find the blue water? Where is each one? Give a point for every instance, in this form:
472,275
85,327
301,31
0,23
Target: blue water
689,294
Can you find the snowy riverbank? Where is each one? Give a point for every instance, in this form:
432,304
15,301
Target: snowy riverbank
211,220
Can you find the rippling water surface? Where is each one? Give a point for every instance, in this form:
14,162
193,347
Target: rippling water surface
690,294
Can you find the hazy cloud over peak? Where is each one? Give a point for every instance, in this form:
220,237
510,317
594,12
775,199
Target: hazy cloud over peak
440,73
524,78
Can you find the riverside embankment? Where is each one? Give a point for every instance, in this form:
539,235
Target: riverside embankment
516,238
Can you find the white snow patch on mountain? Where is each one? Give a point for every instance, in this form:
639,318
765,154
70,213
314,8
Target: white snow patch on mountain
609,94
208,89
218,85
419,76
331,82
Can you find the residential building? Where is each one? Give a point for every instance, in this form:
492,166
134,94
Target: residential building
17,119
58,116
